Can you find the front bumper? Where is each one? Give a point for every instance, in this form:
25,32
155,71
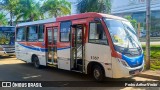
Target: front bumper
7,53
120,71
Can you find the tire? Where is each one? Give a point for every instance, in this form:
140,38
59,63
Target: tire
36,62
98,73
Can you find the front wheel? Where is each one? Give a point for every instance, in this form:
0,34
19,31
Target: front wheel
98,73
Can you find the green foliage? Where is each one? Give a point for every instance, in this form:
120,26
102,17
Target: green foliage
155,59
155,51
3,20
133,21
101,6
56,7
155,65
9,5
28,10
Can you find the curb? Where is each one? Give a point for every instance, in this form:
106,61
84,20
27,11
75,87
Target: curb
149,76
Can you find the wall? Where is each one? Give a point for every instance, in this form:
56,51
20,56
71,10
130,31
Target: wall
126,6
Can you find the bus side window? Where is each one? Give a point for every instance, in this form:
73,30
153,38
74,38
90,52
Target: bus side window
97,34
21,34
32,33
65,31
41,33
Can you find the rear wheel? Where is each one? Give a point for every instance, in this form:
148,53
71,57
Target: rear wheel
36,62
98,73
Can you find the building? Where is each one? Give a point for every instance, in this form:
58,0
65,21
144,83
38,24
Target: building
73,6
137,9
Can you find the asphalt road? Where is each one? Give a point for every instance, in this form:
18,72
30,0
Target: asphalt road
12,69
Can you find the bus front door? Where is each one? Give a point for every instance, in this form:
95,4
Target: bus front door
77,48
52,46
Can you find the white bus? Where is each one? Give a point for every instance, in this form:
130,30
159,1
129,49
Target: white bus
90,43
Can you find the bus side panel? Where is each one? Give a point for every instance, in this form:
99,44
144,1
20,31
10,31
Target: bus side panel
25,52
38,49
21,51
101,54
64,58
17,50
63,54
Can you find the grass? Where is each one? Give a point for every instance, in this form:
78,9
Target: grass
155,56
155,65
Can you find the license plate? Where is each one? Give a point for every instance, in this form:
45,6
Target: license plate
136,72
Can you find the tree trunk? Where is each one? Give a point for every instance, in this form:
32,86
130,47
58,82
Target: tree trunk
11,18
148,22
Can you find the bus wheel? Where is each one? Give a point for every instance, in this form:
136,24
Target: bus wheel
98,73
36,62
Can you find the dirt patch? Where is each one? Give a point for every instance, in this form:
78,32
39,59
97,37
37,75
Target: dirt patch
9,60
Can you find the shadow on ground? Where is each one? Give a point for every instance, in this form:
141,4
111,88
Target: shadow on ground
27,72
6,56
62,78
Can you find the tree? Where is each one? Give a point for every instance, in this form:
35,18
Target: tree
28,10
101,6
133,21
56,7
3,20
148,27
9,5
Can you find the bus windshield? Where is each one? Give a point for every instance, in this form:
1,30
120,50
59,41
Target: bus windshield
123,36
7,36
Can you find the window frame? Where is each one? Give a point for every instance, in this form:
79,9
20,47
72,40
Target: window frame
60,31
96,39
27,33
38,29
57,33
25,29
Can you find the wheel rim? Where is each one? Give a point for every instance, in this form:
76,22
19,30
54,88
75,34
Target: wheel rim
96,73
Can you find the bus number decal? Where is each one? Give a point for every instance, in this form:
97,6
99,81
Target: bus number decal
94,57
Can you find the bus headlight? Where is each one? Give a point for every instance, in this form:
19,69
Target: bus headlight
123,62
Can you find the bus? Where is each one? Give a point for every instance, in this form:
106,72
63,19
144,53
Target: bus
91,43
7,40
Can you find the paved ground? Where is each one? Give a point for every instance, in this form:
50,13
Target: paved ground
150,74
12,69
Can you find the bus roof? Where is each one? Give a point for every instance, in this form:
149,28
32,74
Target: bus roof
88,15
71,17
37,22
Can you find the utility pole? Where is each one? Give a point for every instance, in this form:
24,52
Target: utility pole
148,23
